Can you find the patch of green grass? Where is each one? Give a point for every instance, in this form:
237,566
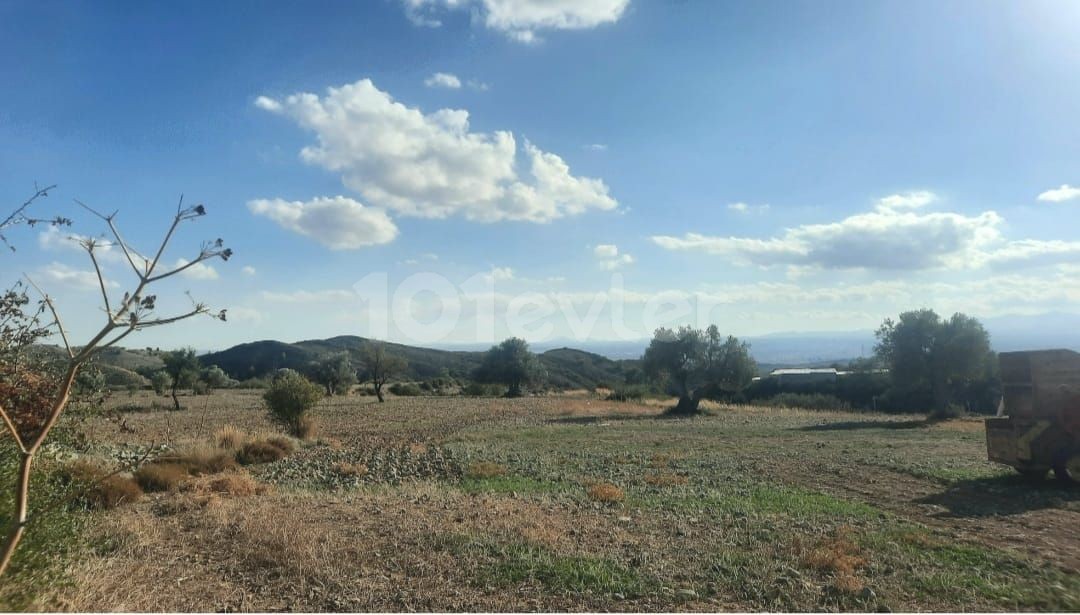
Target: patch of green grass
514,563
511,484
520,562
949,475
966,574
762,500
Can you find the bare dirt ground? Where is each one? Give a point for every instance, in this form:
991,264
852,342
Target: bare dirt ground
491,504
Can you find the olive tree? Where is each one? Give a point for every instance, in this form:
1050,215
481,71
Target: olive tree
30,415
334,372
511,363
183,367
380,366
161,381
927,354
698,363
215,378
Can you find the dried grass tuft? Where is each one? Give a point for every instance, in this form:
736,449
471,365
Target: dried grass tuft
230,437
840,556
154,477
485,469
605,492
350,469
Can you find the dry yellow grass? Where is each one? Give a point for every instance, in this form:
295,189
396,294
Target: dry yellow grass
156,477
839,555
484,469
98,489
350,469
230,437
605,492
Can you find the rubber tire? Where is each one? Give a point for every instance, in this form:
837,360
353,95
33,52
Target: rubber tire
1067,468
1033,474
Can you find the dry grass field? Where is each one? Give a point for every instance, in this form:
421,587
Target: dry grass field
568,503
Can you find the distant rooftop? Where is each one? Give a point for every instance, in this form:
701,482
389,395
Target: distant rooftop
792,371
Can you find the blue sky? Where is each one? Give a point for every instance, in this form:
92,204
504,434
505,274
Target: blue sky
768,166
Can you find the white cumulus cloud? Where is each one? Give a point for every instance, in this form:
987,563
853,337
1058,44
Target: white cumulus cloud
609,257
891,237
907,200
1060,195
432,165
521,20
247,270
443,80
339,223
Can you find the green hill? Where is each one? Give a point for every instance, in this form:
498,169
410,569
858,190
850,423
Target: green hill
567,368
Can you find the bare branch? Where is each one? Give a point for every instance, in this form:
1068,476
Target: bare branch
119,240
199,309
202,257
11,428
117,338
89,245
56,316
19,215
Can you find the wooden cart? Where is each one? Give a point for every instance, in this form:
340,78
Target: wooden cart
1038,424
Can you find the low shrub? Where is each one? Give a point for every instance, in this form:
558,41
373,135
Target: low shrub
154,477
307,428
480,389
289,398
350,469
484,469
200,460
627,393
406,389
284,443
605,492
96,489
806,401
230,437
234,483
113,491
259,451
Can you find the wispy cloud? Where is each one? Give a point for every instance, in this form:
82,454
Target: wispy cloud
339,223
1060,195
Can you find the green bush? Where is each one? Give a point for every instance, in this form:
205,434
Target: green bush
406,389
806,401
161,381
289,398
630,392
480,389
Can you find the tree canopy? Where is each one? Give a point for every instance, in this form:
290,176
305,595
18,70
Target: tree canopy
933,357
183,367
380,366
334,372
698,363
513,364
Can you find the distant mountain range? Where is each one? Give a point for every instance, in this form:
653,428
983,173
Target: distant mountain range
1007,333
567,368
600,362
